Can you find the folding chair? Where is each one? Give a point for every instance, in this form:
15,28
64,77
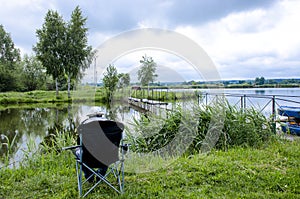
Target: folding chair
98,154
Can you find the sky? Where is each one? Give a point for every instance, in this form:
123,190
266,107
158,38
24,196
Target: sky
244,39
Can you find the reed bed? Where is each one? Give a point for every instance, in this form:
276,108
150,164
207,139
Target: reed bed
218,126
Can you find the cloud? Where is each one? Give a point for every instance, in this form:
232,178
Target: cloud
21,18
200,12
169,67
254,39
115,16
239,36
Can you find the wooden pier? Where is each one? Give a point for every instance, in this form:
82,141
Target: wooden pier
145,105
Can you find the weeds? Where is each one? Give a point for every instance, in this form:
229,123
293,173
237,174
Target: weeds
153,132
163,95
9,145
58,138
220,125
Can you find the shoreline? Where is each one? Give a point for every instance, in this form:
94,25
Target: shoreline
92,95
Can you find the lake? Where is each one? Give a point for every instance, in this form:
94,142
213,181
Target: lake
260,98
31,124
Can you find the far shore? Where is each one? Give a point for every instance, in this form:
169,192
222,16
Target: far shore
90,94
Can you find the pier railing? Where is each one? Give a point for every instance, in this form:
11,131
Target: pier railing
266,104
260,102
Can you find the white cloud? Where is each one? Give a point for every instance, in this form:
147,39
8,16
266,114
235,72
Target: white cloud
169,66
258,38
21,19
240,37
97,38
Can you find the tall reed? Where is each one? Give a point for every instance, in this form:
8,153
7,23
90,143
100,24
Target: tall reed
59,137
220,126
7,146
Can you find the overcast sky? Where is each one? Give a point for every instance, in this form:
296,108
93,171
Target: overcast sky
244,39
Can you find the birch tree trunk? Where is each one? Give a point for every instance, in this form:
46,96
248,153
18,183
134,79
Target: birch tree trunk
56,87
69,86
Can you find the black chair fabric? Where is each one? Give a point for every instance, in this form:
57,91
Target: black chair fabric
100,142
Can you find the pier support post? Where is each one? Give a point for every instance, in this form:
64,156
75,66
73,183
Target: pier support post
274,114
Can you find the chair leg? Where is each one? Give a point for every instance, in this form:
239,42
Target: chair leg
122,174
79,177
116,169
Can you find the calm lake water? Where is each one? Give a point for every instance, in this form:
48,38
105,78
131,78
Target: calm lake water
31,125
260,99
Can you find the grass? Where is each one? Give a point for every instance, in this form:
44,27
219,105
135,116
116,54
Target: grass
83,94
220,126
240,172
163,95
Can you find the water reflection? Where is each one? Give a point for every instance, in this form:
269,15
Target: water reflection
260,92
21,124
25,124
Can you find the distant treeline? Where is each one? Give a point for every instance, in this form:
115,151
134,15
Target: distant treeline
245,86
258,82
210,86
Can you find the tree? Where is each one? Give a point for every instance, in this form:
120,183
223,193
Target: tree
9,63
50,46
8,53
62,47
34,76
146,73
124,80
8,79
110,81
77,51
259,81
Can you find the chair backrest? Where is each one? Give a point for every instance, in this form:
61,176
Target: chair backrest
100,141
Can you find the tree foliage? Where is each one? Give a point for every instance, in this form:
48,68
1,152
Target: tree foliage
146,73
9,58
50,46
77,50
62,46
110,81
259,81
34,76
124,80
8,53
8,79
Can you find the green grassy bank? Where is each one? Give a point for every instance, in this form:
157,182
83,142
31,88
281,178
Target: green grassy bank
84,94
271,171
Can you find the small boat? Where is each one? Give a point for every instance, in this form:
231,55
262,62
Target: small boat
289,127
292,124
289,111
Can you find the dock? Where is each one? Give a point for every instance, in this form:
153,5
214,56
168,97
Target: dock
145,105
